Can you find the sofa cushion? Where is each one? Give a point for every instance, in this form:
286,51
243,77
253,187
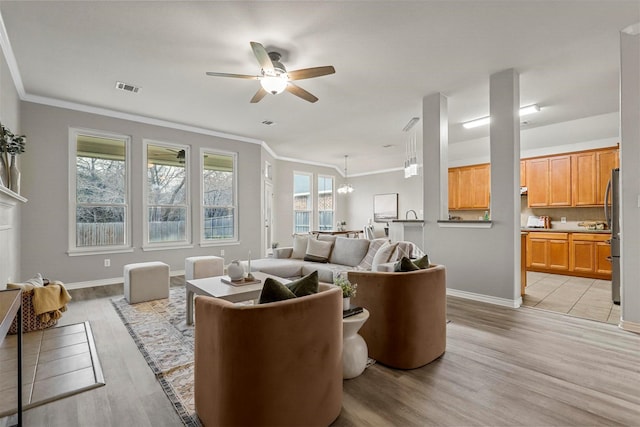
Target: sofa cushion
318,251
273,291
307,285
299,246
326,272
277,267
327,238
423,262
383,255
348,251
403,249
405,264
374,245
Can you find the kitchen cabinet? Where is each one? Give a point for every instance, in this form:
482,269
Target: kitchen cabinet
469,187
605,161
576,254
537,171
453,188
548,251
549,181
523,173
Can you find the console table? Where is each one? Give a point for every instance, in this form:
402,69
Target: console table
10,307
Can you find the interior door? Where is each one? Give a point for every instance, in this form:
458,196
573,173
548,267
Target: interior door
268,216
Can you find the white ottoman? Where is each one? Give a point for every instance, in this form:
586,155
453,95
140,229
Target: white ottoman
146,281
198,267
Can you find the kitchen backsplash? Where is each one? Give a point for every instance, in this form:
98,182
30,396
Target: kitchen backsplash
573,215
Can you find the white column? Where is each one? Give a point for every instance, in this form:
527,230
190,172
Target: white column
435,137
630,176
504,140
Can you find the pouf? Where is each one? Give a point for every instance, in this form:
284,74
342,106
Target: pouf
146,281
198,267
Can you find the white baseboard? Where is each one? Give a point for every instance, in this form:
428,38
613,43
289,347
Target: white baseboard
629,326
108,282
485,298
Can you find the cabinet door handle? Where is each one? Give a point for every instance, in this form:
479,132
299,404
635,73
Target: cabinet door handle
608,242
609,259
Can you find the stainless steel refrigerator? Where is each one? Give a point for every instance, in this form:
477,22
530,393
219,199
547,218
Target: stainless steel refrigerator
612,215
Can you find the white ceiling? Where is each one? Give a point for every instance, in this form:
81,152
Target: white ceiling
387,55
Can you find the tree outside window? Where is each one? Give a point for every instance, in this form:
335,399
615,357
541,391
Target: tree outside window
326,205
218,198
302,203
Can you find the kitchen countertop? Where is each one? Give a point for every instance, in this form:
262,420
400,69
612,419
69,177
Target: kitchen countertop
409,220
566,230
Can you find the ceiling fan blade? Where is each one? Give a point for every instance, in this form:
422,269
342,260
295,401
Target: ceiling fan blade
263,57
307,73
299,92
259,95
237,76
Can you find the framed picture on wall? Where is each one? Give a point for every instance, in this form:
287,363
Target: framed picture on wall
385,207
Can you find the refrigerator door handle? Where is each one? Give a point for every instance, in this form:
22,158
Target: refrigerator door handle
610,259
607,217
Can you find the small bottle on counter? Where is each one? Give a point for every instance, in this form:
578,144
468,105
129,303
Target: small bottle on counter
486,215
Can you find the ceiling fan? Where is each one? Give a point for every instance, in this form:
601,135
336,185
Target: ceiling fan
274,77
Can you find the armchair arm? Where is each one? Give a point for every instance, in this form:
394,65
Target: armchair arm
283,252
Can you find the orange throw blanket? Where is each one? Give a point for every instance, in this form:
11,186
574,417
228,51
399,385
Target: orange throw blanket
50,301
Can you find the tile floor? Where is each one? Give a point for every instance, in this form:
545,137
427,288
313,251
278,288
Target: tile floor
576,296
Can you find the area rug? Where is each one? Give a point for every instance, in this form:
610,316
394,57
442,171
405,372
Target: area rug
166,342
57,362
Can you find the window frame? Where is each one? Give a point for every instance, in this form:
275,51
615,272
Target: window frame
73,249
333,198
187,243
311,207
236,237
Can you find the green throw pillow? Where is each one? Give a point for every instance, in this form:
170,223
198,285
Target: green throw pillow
273,291
405,264
423,262
306,285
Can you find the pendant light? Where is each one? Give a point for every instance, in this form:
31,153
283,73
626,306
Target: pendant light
345,188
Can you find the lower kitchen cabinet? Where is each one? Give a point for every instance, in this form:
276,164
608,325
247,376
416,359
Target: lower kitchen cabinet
576,254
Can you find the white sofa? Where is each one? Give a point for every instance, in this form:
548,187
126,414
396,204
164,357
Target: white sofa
345,254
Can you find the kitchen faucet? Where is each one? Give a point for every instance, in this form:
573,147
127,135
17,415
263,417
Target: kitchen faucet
406,216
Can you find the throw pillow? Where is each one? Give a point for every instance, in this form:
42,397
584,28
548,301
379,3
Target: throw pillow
367,261
273,291
299,246
405,264
423,262
318,251
307,285
35,281
383,255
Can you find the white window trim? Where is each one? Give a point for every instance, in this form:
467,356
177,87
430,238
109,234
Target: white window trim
236,232
187,243
333,196
72,175
311,198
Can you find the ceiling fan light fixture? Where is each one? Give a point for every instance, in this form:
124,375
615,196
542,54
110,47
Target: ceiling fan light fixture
274,84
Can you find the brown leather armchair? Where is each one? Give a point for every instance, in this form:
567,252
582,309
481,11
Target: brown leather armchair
407,315
270,364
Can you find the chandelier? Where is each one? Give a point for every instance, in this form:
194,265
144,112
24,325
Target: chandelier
411,162
345,188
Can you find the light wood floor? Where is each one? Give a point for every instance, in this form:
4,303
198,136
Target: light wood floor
502,367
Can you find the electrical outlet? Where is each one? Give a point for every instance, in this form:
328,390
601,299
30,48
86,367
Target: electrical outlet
221,252
107,262
563,219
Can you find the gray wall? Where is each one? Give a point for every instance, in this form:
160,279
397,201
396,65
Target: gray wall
45,184
10,209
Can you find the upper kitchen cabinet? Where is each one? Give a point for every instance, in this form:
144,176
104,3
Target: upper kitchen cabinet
523,173
549,181
605,161
469,187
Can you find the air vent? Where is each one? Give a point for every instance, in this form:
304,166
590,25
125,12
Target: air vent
127,87
388,145
268,122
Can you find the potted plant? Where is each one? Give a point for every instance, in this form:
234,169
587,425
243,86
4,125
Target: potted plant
10,146
348,290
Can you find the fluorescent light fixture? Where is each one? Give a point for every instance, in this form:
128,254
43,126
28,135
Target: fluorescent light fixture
411,123
477,123
529,109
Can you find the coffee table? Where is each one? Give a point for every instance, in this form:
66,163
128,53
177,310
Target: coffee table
215,287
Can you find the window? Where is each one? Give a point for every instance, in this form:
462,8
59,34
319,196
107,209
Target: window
219,196
302,202
167,193
326,202
99,185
